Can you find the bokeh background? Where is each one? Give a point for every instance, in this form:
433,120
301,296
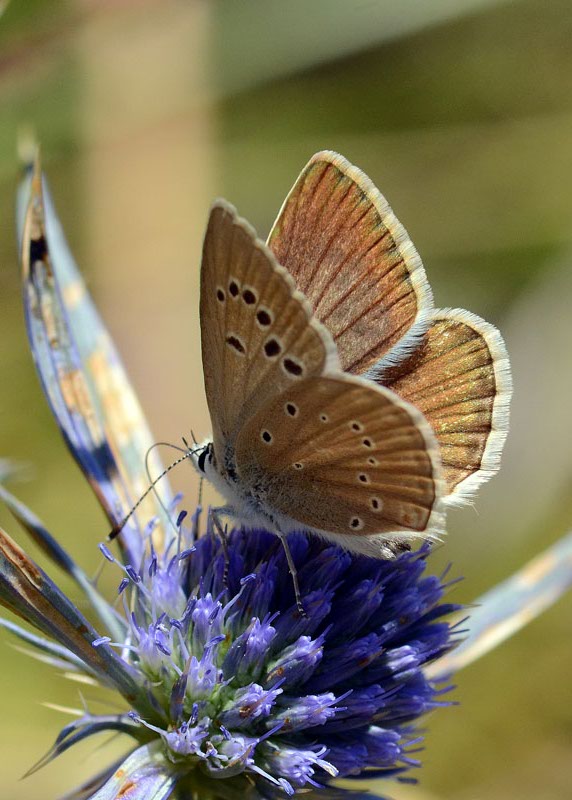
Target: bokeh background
461,112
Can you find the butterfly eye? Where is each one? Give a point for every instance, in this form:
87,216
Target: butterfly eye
291,409
266,436
202,458
249,297
233,288
356,524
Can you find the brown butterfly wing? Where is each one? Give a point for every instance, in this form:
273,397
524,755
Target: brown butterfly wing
460,379
339,455
258,334
339,239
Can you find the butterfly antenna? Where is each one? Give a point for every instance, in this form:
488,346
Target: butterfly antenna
150,479
119,527
201,480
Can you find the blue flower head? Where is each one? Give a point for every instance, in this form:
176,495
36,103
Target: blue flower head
242,683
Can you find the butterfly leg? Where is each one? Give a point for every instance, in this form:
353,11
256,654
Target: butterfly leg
293,572
196,518
196,523
222,534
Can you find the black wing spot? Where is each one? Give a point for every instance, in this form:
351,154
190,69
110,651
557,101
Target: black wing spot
324,418
233,288
376,503
220,295
291,409
356,523
356,426
264,317
292,367
367,443
272,348
266,436
373,461
363,477
236,344
249,297
298,465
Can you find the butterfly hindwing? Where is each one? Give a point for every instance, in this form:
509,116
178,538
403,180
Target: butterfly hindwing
354,261
337,454
258,333
459,378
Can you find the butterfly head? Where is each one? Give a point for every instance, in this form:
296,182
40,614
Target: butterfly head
202,457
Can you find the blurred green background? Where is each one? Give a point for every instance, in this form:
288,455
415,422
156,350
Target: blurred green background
461,112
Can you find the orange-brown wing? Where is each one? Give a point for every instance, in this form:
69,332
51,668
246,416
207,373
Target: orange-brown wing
342,456
339,239
258,334
460,379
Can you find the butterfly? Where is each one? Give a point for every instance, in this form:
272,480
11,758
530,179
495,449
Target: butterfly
342,402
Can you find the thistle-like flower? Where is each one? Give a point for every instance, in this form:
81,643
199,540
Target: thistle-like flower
219,675
238,683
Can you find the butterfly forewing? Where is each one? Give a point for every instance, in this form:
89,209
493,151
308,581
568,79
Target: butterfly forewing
460,379
258,334
349,255
339,455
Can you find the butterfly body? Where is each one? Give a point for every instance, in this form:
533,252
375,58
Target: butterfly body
243,502
341,402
